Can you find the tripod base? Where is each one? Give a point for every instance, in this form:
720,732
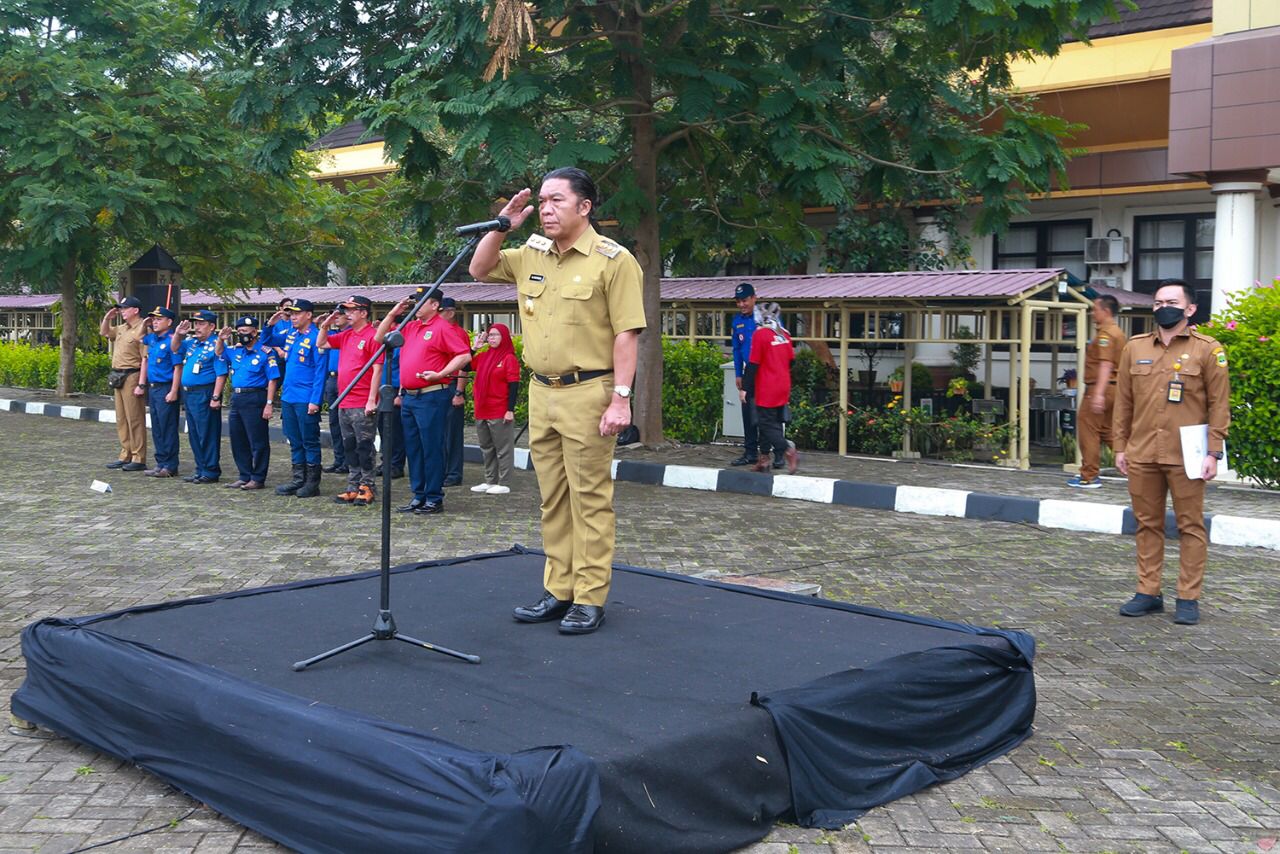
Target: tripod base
384,628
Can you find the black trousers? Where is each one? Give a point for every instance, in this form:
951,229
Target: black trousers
750,426
772,434
335,429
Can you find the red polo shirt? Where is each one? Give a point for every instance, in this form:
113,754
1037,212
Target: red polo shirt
429,346
772,354
354,350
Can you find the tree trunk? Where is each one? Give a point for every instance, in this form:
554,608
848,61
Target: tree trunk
69,312
648,248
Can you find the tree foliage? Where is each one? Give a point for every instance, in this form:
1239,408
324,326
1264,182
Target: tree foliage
711,125
114,134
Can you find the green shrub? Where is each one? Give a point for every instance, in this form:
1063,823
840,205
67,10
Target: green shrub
37,367
692,385
1249,330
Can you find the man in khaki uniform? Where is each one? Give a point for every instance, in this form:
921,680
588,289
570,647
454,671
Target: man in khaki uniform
131,403
580,307
1171,378
1097,405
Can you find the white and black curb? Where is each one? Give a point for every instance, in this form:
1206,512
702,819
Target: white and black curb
926,500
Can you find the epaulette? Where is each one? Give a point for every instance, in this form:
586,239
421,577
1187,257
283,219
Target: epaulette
1196,333
608,248
538,242
1142,335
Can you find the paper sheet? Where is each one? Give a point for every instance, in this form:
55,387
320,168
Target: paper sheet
1195,447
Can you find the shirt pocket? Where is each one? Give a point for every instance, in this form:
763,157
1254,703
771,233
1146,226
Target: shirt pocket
578,303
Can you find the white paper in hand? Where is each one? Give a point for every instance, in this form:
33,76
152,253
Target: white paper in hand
1195,447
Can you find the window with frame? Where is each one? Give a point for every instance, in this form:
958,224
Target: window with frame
1175,246
1044,245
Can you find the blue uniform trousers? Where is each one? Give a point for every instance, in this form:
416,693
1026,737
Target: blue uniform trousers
335,429
204,429
250,437
164,426
453,439
424,417
303,432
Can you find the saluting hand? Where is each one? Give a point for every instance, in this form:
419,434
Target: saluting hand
184,327
518,208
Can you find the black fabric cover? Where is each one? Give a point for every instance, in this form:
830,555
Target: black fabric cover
659,742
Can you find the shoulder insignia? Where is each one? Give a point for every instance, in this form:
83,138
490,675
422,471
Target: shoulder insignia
1103,341
538,242
1221,356
608,248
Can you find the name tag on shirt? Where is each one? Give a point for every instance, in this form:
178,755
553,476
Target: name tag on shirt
1175,391
195,369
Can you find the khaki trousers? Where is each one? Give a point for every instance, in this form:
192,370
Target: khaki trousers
1094,429
497,444
574,467
1148,485
131,421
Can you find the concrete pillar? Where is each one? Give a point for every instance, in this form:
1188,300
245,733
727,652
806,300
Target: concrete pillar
1235,234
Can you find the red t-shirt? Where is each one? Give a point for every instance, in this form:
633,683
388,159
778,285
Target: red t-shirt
495,371
772,354
429,346
354,350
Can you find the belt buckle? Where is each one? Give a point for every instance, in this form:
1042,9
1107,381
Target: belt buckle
556,381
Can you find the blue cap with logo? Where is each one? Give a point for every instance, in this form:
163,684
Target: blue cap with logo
743,291
204,315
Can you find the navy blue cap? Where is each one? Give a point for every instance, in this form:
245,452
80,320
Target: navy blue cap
301,305
129,302
161,311
205,315
247,320
447,302
744,290
438,296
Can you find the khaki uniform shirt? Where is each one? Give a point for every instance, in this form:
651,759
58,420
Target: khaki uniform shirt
573,305
128,351
1146,422
1107,344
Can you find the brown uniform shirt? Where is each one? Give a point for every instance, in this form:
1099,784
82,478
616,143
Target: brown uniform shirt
1107,345
1146,422
573,305
128,352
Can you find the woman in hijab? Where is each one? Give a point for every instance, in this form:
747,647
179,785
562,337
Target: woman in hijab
497,383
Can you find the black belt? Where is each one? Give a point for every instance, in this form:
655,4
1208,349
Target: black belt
417,392
245,389
557,381
197,387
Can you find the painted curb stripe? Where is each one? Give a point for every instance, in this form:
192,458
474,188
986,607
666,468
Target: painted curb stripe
1247,532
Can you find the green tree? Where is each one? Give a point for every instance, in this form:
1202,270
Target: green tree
114,134
709,124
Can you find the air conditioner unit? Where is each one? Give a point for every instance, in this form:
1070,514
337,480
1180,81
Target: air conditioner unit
1106,281
1106,250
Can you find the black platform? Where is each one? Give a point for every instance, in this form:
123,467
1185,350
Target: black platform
700,714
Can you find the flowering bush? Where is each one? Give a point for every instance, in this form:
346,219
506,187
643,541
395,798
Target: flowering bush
1249,330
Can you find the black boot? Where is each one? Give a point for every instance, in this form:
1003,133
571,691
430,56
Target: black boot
311,486
299,478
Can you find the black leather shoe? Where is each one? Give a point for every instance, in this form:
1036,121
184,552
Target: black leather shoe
133,467
452,482
411,506
429,508
777,464
118,464
743,460
545,609
202,479
582,620
190,478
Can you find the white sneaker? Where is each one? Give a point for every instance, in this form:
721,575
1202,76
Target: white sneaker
482,487
498,489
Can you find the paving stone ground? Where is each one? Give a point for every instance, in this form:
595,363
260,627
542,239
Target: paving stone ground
1149,737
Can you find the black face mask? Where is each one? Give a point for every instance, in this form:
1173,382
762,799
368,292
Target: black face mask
245,339
1169,316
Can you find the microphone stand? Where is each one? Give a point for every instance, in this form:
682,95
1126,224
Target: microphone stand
384,625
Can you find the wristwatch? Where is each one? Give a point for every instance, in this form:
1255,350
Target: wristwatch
622,390
1217,455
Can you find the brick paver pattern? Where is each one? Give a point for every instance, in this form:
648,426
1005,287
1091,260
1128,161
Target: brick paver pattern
1149,737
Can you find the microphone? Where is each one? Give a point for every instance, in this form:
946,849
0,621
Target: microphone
499,224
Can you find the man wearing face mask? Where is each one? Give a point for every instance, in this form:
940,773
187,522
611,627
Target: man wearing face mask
302,389
254,375
1171,378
